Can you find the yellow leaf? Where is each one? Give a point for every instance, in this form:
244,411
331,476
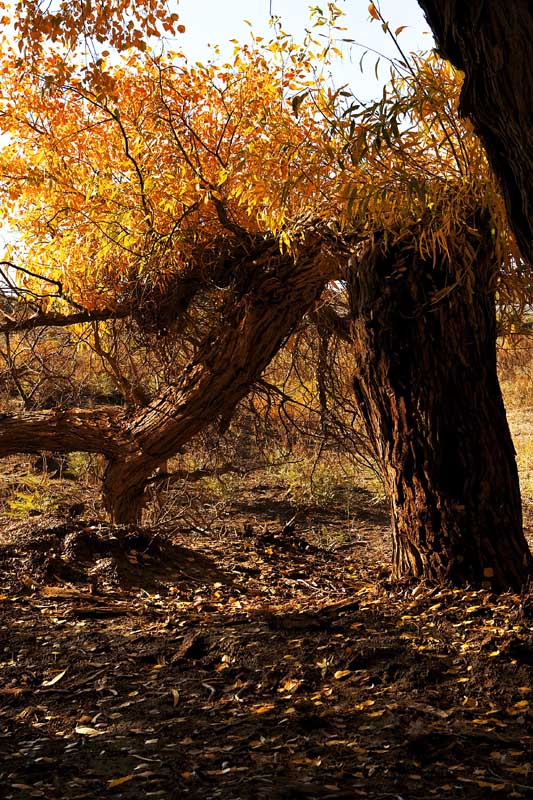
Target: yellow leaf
289,685
364,704
119,781
175,696
342,673
264,708
55,679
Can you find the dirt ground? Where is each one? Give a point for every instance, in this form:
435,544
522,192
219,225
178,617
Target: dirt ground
244,652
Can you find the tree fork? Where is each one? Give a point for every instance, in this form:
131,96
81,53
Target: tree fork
426,383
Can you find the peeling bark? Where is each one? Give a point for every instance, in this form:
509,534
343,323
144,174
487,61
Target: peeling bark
492,43
427,387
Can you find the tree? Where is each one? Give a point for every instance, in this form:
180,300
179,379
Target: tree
423,288
121,24
230,195
492,44
140,200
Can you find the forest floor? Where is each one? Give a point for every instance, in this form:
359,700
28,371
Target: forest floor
252,648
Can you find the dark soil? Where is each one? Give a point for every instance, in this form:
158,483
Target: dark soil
251,658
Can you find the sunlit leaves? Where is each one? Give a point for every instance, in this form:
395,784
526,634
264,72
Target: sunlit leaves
122,23
107,184
420,164
141,170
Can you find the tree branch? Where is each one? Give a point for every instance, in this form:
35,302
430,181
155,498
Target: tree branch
53,319
86,430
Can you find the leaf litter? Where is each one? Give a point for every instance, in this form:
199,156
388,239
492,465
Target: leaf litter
252,662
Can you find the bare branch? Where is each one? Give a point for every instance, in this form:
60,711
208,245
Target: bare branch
52,319
87,430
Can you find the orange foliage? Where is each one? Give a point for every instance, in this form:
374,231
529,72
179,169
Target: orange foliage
135,174
120,23
107,187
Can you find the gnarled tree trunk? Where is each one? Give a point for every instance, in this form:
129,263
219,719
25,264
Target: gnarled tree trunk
271,293
426,383
276,292
492,43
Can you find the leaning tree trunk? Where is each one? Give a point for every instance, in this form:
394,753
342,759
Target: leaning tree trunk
426,384
275,292
492,43
267,299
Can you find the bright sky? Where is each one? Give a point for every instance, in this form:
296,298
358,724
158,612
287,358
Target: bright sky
215,22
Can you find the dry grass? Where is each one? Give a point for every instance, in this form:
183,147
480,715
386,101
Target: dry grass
516,378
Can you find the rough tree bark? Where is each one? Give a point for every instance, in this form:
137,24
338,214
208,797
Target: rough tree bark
277,291
492,43
425,349
271,294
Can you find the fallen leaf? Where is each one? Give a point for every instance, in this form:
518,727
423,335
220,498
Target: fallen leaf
84,730
342,673
55,679
289,685
175,696
264,708
364,704
496,787
119,781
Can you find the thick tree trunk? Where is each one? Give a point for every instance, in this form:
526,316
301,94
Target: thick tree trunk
426,383
492,43
277,292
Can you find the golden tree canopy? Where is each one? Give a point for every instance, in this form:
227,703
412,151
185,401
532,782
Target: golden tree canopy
135,176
